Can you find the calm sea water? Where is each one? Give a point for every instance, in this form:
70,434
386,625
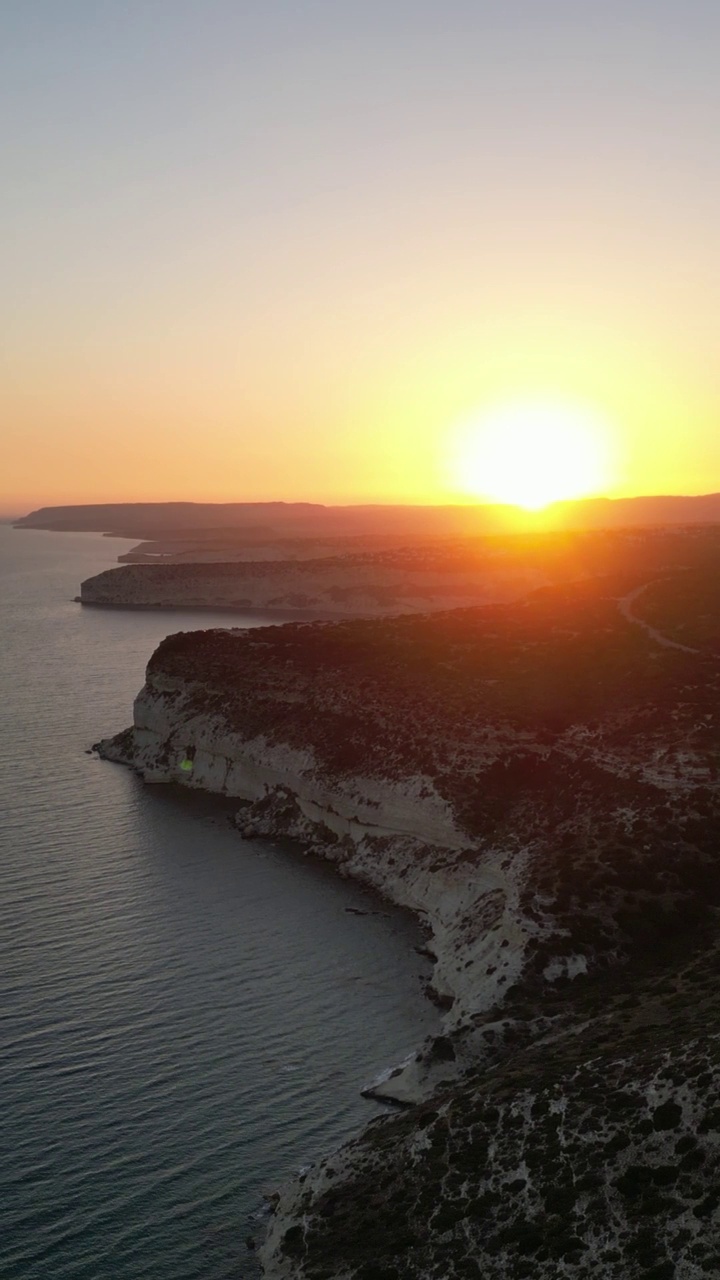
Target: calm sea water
185,1017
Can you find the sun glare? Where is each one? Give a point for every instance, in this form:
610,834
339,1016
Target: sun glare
533,452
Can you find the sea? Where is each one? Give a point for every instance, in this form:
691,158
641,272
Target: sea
186,1017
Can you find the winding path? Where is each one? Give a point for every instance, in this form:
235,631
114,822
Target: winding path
625,605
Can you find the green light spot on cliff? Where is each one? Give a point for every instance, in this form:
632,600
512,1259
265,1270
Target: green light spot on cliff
186,765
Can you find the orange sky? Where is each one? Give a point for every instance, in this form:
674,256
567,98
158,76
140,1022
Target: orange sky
284,255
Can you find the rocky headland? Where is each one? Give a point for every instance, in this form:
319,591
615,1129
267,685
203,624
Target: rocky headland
381,584
539,781
383,580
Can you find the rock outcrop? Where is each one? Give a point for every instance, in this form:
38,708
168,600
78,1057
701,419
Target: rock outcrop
539,781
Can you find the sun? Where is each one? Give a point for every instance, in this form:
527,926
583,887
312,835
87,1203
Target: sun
532,452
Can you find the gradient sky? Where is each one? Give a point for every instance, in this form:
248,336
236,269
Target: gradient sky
280,249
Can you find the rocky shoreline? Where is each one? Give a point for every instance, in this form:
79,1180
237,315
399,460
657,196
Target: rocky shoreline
384,849
539,782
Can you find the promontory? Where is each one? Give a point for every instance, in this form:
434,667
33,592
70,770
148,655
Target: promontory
539,781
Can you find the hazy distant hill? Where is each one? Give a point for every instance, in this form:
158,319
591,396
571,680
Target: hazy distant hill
141,519
599,513
174,520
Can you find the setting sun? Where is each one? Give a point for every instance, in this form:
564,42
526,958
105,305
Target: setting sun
533,452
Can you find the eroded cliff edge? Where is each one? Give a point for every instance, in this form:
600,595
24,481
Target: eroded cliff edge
381,583
540,782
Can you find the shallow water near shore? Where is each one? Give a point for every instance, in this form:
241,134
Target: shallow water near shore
185,1017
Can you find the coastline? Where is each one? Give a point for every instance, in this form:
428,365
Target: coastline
272,615
401,1087
566,877
81,839
432,897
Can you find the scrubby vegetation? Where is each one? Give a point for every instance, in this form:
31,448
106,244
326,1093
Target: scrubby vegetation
596,1156
560,733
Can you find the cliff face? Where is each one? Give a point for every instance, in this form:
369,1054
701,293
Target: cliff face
540,782
341,586
396,833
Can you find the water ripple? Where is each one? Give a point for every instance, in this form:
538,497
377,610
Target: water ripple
183,1017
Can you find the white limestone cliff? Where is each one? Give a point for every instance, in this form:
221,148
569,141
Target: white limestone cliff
398,836
539,783
333,587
